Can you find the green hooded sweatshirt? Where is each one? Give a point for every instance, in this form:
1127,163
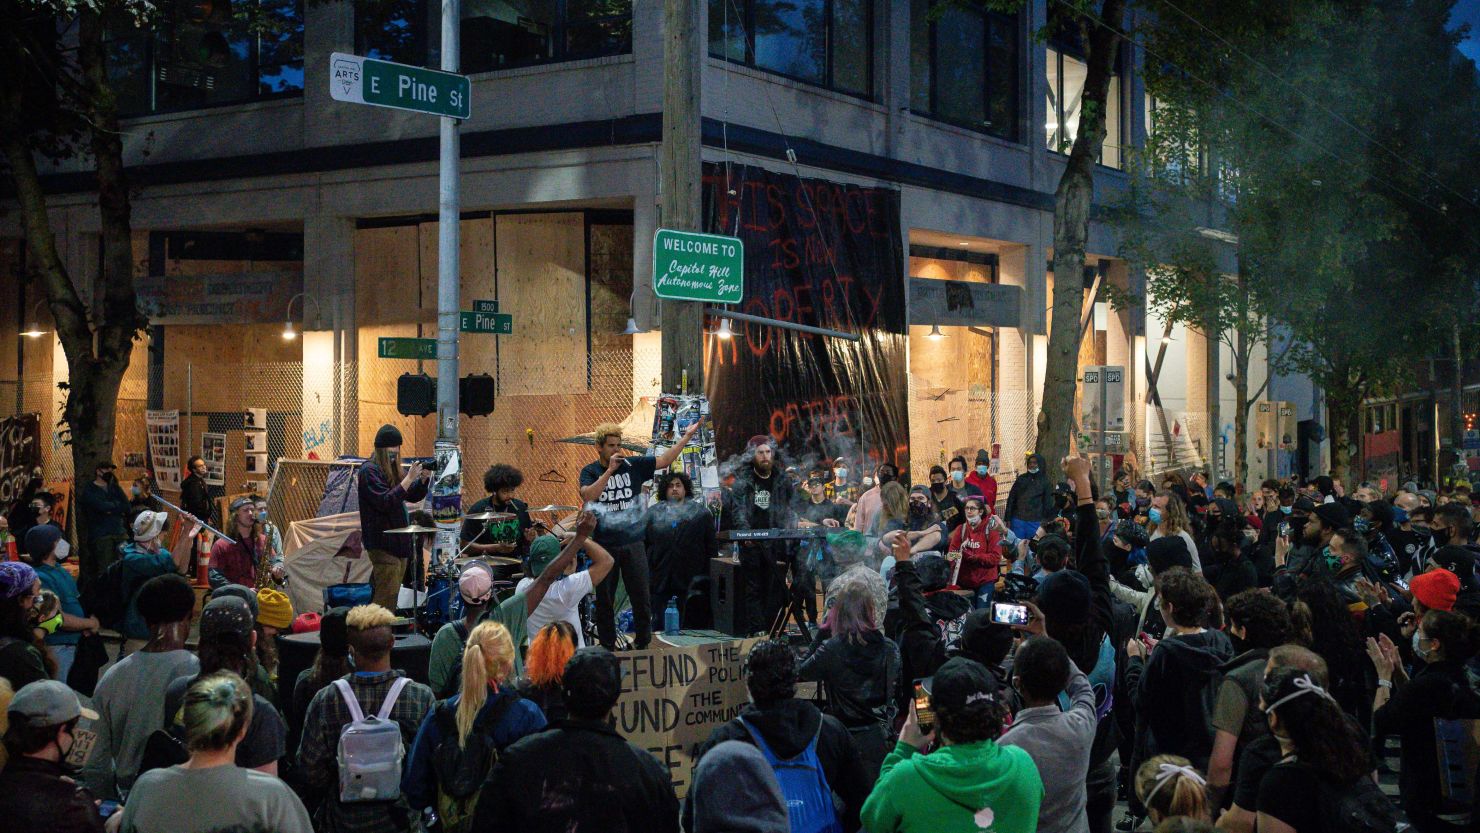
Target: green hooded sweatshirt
971,788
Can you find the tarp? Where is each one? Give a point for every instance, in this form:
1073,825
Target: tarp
340,492
827,255
319,552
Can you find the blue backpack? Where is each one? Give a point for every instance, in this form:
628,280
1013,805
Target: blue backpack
809,804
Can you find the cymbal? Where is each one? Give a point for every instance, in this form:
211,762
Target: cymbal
490,516
412,530
556,507
502,560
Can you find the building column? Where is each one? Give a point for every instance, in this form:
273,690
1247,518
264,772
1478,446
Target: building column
330,396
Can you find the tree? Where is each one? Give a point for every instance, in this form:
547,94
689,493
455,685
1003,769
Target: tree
57,102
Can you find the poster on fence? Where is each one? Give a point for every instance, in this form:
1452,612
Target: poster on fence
164,448
673,697
61,495
20,456
673,414
213,452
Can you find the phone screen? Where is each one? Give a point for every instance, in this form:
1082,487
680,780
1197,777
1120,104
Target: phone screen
924,717
1006,614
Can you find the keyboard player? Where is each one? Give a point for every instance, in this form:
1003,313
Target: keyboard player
761,498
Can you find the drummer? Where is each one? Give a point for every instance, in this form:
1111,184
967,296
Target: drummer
508,537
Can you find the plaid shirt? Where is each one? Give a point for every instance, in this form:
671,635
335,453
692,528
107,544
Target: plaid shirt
318,752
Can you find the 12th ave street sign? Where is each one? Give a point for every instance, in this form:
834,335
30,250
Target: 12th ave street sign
407,348
688,266
384,84
498,323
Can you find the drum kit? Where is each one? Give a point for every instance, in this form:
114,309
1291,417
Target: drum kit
442,603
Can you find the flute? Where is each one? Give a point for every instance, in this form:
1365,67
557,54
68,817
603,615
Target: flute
219,533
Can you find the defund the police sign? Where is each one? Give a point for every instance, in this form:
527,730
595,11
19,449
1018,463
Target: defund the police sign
384,84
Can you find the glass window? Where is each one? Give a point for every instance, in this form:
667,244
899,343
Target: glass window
392,30
963,67
497,34
207,53
1066,75
822,42
1173,143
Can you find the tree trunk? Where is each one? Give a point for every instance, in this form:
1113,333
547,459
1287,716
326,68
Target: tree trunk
1072,200
1342,405
1241,412
1457,396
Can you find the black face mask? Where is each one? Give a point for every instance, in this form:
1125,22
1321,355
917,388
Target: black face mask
1441,536
918,511
885,478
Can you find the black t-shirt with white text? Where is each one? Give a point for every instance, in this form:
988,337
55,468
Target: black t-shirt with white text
622,521
762,508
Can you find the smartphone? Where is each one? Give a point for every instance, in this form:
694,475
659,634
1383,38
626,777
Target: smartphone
1284,529
1006,614
107,808
924,717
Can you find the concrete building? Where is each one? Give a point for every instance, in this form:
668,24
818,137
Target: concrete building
253,186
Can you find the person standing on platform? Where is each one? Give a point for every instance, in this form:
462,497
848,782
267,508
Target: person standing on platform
680,542
106,509
614,482
1030,501
510,537
384,493
247,561
762,497
195,498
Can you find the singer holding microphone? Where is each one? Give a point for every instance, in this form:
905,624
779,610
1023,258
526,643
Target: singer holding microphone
384,493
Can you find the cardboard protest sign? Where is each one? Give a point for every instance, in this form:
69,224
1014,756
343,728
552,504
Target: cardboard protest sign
20,457
673,698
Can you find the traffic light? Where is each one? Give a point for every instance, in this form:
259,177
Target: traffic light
416,394
475,394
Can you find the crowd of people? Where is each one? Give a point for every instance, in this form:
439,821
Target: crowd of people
1206,658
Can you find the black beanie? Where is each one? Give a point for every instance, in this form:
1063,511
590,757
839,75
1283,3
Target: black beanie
41,540
592,682
1167,552
389,436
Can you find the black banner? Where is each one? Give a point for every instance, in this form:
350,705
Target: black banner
20,457
827,255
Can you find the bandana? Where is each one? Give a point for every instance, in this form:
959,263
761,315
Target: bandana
16,577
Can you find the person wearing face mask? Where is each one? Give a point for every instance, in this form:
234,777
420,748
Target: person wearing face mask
947,504
1121,493
1324,761
1308,557
1451,525
1030,502
1405,539
866,510
839,487
1438,690
956,471
130,696
246,560
36,790
104,509
925,531
981,552
144,558
141,496
44,544
1373,522
981,478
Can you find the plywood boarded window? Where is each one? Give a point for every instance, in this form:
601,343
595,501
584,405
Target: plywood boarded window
541,275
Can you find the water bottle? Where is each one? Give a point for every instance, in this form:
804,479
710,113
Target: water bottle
670,617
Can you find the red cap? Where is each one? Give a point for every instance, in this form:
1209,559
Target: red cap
1436,589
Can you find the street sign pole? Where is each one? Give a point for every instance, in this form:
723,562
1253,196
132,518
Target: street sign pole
448,210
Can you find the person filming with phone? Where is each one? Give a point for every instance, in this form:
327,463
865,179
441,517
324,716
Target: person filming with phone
384,492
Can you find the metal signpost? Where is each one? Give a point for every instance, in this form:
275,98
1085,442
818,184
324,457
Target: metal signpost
449,95
688,266
1104,413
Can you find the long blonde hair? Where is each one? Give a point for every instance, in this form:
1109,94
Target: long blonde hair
489,656
1174,517
1180,794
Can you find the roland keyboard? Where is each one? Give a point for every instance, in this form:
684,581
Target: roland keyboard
773,534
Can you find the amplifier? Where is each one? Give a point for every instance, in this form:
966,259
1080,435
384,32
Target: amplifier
727,597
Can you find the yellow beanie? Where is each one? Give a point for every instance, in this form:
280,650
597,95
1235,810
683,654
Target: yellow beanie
275,610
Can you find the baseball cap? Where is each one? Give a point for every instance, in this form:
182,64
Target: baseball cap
48,703
1333,515
226,616
475,583
238,591
920,489
959,683
545,549
1303,504
242,501
1457,560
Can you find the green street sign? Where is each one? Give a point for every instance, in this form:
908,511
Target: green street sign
401,87
688,266
498,323
407,348
485,306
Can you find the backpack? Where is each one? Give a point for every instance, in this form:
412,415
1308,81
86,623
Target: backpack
1361,807
107,596
454,679
370,749
809,804
461,769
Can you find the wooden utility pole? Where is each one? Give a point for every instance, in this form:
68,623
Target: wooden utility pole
679,173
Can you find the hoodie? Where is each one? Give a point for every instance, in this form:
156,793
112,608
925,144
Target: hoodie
1031,497
736,792
967,788
1173,693
788,726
